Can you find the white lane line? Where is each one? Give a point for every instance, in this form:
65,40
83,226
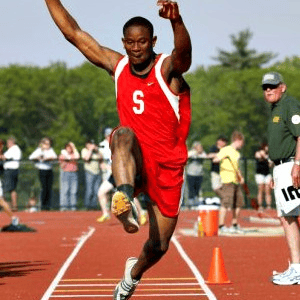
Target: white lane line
67,263
194,269
141,284
135,295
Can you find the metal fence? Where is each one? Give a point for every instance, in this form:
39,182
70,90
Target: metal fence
29,184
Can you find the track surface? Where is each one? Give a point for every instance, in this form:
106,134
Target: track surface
73,257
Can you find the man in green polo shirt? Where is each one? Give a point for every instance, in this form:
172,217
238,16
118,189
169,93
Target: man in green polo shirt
284,151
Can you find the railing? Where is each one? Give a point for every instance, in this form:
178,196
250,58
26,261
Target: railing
29,184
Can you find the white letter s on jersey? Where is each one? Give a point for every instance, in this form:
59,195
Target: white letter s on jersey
139,109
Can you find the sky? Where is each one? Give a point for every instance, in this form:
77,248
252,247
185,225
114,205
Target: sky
28,35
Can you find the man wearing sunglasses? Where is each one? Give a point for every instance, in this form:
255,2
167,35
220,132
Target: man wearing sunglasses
284,150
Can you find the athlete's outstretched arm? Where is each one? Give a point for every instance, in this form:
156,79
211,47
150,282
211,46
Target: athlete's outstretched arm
100,56
181,57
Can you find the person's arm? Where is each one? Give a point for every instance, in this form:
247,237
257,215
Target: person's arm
100,56
49,155
240,177
87,154
36,154
181,57
296,168
76,155
261,155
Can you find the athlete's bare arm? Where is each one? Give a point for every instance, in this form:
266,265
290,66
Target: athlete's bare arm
181,56
100,56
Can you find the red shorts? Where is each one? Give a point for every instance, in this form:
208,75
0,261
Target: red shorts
163,184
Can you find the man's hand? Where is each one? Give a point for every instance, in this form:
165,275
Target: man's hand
168,9
296,176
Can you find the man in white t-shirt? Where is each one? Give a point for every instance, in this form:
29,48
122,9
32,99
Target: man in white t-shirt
11,166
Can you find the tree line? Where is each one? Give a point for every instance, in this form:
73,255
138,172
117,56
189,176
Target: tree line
74,104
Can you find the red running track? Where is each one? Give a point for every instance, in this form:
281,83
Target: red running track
71,256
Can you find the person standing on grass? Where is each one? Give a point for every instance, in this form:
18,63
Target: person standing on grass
284,151
149,147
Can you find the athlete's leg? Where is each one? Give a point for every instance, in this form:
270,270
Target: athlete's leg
126,164
161,229
126,156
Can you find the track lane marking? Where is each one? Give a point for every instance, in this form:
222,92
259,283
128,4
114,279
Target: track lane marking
67,263
137,295
138,290
193,268
118,279
112,284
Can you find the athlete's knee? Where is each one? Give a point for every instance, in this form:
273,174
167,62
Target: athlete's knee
123,137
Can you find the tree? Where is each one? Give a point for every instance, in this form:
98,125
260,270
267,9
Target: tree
242,57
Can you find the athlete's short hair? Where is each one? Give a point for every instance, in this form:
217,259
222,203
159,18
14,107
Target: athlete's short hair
139,21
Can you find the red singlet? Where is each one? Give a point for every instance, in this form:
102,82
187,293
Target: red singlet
160,120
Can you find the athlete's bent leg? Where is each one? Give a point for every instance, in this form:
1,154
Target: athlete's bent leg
126,156
126,164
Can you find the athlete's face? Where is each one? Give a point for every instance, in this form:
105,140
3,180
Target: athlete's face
138,44
273,93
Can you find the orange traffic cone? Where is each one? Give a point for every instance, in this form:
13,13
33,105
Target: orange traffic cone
217,273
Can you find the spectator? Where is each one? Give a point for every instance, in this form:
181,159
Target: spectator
5,206
263,176
216,181
107,184
92,159
68,159
44,156
284,151
232,195
194,172
11,157
106,155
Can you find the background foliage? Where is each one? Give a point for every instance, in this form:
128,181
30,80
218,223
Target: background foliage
78,103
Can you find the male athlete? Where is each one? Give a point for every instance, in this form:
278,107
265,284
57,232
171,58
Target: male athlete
149,147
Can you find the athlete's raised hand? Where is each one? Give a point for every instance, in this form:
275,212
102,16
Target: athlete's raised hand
168,9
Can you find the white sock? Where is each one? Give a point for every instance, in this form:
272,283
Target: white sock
296,267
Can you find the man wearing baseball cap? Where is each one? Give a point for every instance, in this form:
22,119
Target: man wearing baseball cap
284,151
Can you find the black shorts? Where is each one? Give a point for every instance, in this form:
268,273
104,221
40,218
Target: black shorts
111,180
10,180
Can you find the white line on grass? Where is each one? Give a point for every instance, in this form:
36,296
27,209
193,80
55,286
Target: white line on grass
194,269
67,263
